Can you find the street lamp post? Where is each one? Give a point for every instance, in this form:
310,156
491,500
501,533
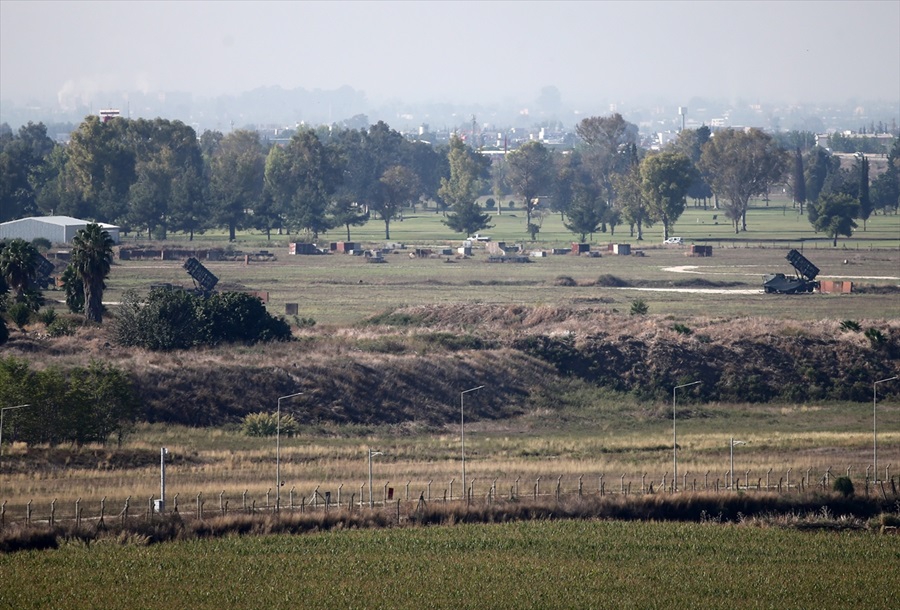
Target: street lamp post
462,432
278,451
874,427
3,411
372,453
731,474
675,438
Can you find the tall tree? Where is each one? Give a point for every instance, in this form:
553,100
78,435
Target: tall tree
21,159
529,173
630,197
101,159
820,167
740,165
18,265
347,213
865,201
690,143
92,258
468,170
835,214
798,180
665,179
886,187
605,139
399,186
312,173
236,179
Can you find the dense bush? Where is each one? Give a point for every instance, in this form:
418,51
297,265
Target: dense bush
76,405
168,319
266,424
844,486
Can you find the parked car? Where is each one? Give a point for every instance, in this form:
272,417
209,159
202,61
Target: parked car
480,237
674,240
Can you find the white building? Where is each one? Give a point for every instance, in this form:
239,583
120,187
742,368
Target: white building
57,229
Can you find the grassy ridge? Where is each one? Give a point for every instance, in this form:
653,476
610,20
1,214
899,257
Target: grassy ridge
515,565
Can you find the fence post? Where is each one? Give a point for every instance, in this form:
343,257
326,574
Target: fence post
808,470
493,490
350,503
706,481
52,512
102,509
302,505
125,510
537,488
768,472
150,508
643,481
316,498
665,474
683,481
558,486
471,493
622,485
384,495
361,494
747,478
28,513
788,479
199,496
429,491
3,514
451,490
887,469
222,502
580,485
517,487
848,471
398,511
827,476
339,494
407,490
77,512
291,498
268,491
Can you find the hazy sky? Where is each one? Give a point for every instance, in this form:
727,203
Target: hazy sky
457,51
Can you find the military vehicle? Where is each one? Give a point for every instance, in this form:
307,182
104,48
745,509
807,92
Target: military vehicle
803,281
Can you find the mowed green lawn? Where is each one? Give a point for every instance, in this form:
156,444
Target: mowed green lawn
515,565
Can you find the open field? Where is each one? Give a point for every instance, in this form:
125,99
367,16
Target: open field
340,289
609,438
543,565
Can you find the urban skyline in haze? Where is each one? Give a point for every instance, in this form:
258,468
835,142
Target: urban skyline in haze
579,57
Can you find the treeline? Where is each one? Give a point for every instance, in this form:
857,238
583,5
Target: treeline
77,405
155,177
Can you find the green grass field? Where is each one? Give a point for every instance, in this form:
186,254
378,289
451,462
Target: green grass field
515,565
341,289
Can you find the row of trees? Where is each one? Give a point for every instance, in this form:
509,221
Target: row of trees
77,405
157,176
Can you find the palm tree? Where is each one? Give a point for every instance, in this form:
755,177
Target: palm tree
92,258
18,265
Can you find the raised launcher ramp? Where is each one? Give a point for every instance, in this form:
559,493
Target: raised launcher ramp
805,281
204,281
